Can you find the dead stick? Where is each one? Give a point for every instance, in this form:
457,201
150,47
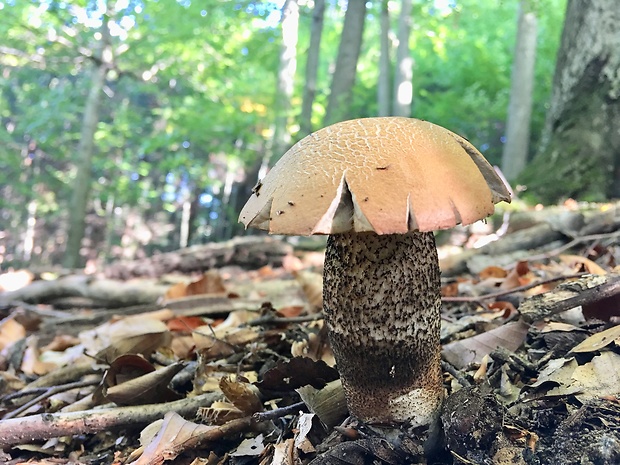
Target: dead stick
45,426
48,393
280,412
587,290
510,291
571,244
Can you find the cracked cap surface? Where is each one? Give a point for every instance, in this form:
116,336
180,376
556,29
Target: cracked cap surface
388,175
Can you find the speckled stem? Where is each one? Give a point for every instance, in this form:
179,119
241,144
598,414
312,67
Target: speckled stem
381,298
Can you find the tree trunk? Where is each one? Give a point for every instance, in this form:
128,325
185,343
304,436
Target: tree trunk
286,76
403,76
580,152
514,157
85,149
312,66
346,63
383,84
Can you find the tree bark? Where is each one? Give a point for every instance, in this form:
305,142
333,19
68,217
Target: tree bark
85,150
580,151
383,84
312,66
515,153
343,78
403,76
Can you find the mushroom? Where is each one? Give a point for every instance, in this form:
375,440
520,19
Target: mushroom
379,187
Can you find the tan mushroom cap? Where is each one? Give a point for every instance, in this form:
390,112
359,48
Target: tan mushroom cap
388,175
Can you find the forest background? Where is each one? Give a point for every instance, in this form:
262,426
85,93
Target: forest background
131,127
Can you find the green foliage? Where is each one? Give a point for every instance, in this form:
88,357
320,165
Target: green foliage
190,97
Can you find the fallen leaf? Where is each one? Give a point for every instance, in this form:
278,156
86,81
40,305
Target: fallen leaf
599,340
131,335
32,364
304,425
10,332
283,453
298,372
493,272
589,266
312,286
171,439
547,327
598,378
471,350
242,395
250,447
211,282
131,380
185,323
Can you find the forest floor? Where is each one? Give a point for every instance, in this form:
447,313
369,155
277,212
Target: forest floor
226,360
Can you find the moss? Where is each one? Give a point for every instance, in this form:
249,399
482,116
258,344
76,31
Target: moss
578,160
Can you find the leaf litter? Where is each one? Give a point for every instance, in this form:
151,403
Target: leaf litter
233,366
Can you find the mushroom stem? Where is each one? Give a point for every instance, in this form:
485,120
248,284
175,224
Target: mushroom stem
382,302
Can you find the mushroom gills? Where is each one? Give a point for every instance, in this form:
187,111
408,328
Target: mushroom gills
343,214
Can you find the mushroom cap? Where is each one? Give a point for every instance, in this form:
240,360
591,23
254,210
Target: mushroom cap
388,175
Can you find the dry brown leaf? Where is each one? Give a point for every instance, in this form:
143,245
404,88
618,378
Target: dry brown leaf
283,453
292,263
471,350
250,447
185,323
600,377
131,335
597,378
182,346
558,371
214,344
590,266
599,340
507,307
219,413
305,425
290,311
547,327
61,342
492,272
132,380
242,395
171,439
312,286
10,332
31,360
211,282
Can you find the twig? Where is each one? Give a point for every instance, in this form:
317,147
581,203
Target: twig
41,427
66,374
510,291
280,412
586,290
571,244
48,393
445,366
274,320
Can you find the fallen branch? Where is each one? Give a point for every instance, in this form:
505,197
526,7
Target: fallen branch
494,295
48,392
45,426
585,290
